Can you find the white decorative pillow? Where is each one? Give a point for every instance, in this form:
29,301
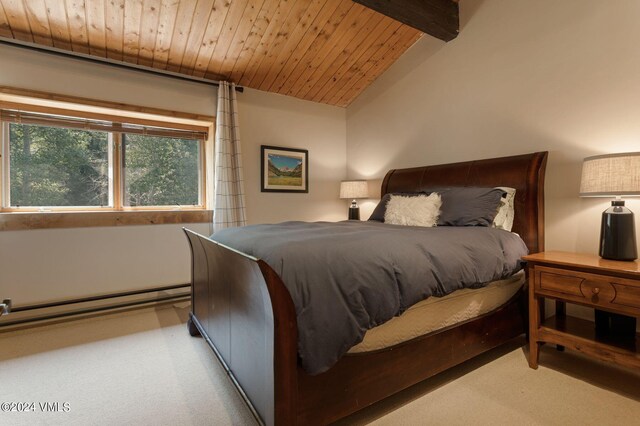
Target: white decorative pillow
421,210
504,217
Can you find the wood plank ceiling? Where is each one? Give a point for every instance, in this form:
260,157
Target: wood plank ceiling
325,51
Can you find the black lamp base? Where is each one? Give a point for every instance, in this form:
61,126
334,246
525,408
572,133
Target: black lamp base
354,213
618,233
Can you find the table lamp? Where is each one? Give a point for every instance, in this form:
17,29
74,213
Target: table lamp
614,175
354,189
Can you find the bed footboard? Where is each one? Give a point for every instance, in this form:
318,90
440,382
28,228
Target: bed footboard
235,295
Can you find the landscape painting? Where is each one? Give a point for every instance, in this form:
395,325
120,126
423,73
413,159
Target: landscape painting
284,169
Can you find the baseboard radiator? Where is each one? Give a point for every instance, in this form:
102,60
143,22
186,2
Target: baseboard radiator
87,306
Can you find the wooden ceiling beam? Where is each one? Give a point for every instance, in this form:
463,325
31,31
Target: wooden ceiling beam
438,18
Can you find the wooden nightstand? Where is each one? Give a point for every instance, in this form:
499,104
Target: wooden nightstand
587,280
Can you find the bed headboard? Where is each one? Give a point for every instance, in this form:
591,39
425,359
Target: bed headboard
525,173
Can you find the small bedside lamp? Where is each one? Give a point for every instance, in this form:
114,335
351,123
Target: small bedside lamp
354,189
614,175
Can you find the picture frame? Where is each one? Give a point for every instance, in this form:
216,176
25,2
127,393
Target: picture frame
284,169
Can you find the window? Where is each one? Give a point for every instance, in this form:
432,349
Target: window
54,166
160,171
59,162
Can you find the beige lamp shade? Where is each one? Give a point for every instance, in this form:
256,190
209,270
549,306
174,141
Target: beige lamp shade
354,189
611,175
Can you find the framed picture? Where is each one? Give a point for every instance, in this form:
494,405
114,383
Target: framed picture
284,169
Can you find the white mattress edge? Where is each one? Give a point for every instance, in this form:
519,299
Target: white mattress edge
436,313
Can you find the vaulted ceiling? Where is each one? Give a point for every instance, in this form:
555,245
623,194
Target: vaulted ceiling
326,51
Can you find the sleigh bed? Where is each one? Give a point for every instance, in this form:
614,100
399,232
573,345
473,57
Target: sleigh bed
244,311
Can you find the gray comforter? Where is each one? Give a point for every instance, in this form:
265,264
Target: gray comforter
347,277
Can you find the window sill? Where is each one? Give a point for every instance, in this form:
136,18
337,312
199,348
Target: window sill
16,221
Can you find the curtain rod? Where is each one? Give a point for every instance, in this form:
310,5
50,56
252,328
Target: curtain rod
110,62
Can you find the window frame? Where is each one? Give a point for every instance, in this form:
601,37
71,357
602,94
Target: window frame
116,178
43,103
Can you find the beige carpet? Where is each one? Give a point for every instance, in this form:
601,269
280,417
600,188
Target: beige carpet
141,367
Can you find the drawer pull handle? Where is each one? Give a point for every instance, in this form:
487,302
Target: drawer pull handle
595,290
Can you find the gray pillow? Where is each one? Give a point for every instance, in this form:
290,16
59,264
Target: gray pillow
381,208
461,206
469,206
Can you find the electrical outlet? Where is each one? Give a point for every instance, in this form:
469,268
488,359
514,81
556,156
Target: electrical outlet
5,307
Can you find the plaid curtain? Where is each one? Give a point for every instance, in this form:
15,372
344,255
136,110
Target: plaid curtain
229,205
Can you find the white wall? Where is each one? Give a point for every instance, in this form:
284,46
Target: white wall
522,76
55,264
45,265
270,119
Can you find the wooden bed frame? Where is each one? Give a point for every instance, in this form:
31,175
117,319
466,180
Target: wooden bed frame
244,312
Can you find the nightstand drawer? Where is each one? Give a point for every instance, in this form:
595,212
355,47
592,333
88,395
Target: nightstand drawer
558,282
595,290
627,296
